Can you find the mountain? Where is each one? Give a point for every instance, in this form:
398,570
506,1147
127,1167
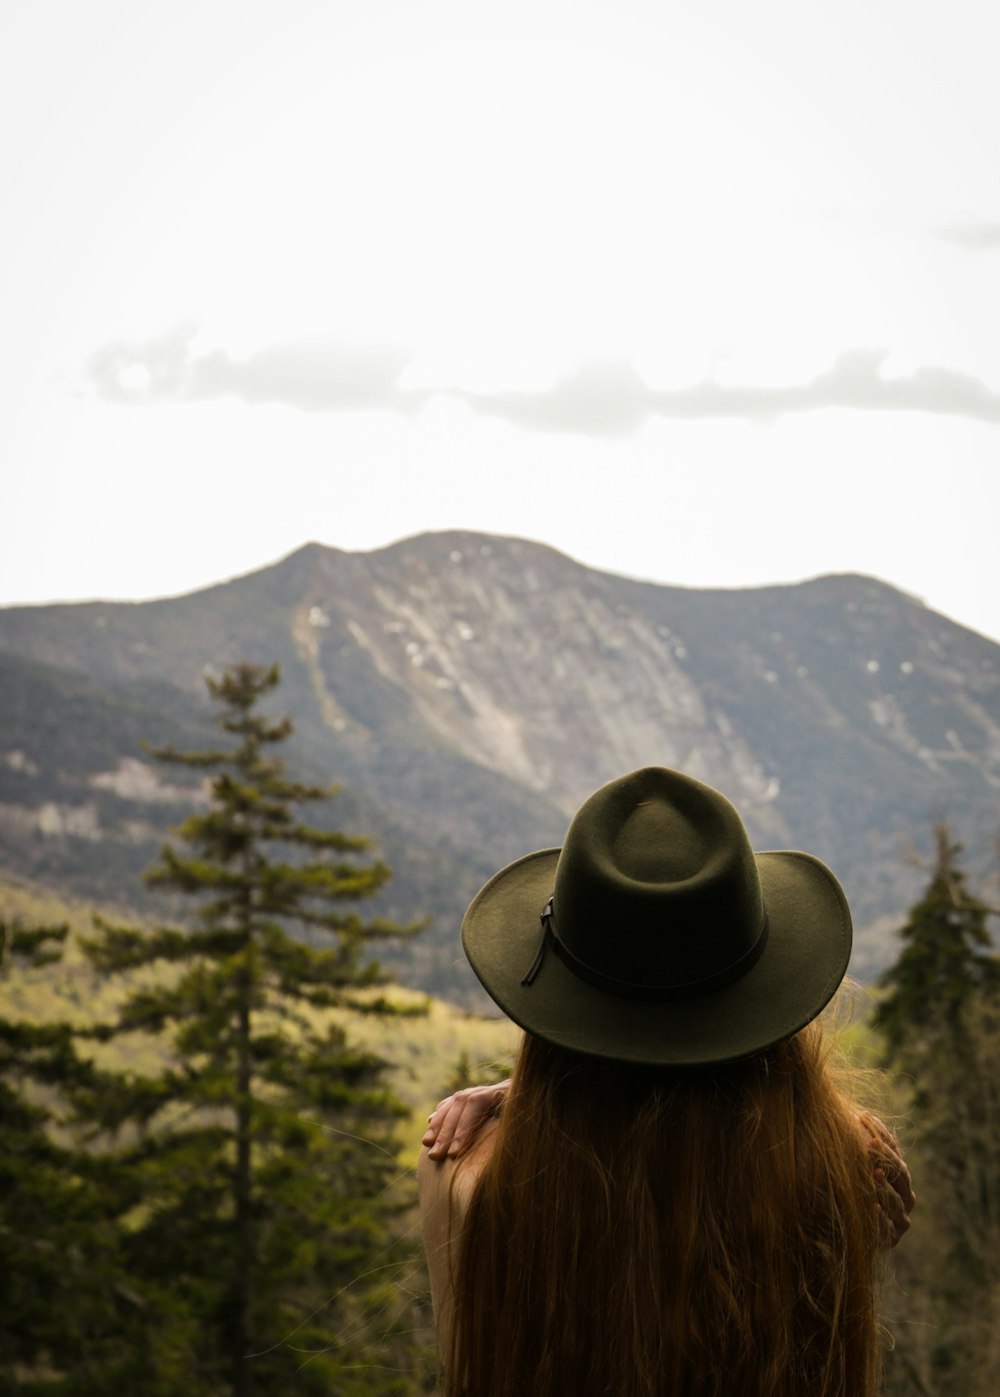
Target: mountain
468,691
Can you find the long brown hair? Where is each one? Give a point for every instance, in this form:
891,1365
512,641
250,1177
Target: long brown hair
656,1232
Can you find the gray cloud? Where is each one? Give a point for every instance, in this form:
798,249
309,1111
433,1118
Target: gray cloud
977,237
612,400
317,375
600,398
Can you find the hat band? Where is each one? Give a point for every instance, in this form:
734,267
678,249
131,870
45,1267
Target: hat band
629,989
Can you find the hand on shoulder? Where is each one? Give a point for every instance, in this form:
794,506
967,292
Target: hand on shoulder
455,1122
893,1185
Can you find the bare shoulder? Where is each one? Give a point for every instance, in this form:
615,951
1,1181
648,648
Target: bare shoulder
445,1183
445,1187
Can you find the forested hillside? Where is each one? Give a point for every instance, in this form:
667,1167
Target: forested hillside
147,1069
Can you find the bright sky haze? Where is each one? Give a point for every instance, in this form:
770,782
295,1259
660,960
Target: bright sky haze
706,294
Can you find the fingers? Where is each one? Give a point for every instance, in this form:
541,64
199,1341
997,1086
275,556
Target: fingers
897,1176
454,1123
893,1185
894,1209
442,1126
888,1159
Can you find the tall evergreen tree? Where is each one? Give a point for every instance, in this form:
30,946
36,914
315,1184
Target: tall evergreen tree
940,1022
946,961
266,1146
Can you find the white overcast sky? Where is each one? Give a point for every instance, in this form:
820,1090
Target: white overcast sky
703,293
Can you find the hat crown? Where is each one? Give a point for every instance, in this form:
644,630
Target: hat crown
644,939
656,888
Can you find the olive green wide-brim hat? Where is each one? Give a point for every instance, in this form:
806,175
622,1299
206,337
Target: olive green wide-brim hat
656,935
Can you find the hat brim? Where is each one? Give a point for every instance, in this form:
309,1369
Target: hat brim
803,962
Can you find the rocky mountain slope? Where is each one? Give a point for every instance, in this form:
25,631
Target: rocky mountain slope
469,691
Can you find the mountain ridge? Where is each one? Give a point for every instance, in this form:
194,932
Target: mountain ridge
470,690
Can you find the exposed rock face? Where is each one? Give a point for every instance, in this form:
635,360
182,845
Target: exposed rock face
535,667
472,690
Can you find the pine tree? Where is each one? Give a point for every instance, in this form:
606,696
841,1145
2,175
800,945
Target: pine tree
266,1146
940,1022
63,1301
945,963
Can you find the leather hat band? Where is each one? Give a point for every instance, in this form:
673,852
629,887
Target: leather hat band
628,989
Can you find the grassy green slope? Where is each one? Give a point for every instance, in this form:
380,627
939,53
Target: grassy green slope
425,1047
